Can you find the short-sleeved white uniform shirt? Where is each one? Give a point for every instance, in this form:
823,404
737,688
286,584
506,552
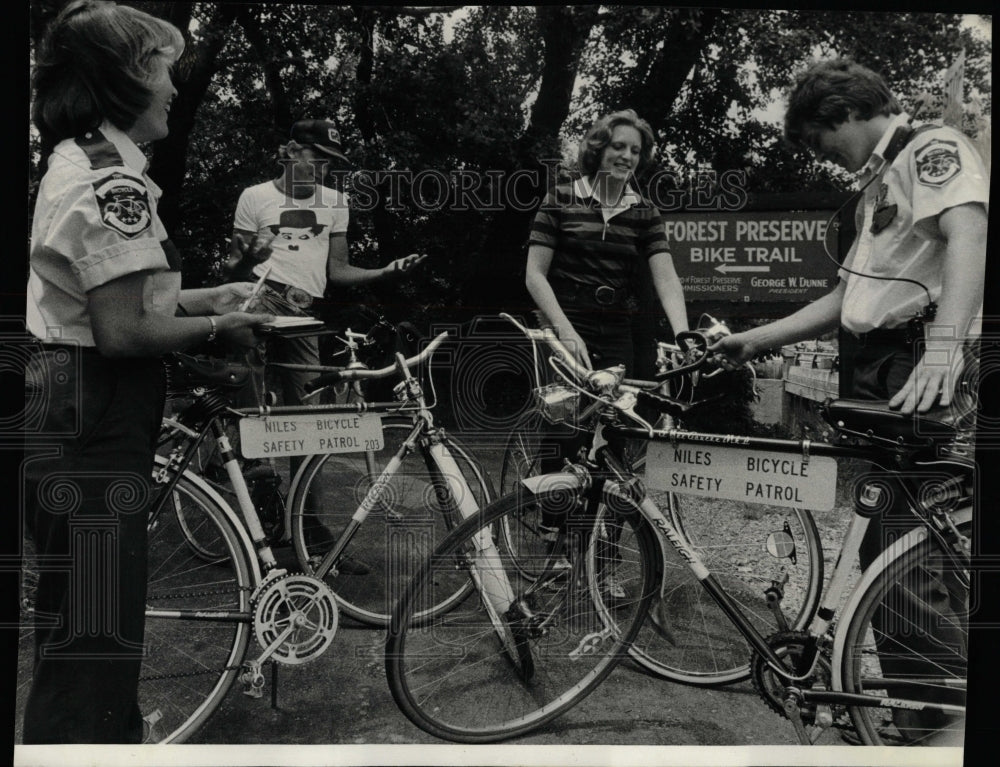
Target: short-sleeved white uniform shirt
95,220
301,228
897,223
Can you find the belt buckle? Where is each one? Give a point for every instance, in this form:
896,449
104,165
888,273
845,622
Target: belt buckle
604,295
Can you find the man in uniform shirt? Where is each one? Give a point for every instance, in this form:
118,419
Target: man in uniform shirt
921,229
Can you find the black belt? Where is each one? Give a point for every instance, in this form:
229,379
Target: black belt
901,336
598,295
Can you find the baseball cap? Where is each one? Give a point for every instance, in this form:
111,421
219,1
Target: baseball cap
320,134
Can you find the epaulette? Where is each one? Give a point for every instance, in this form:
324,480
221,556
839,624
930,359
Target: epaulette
100,152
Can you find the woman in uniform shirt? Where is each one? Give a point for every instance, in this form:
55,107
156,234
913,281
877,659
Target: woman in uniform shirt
104,303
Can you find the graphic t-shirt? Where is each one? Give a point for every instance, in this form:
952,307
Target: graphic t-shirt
301,229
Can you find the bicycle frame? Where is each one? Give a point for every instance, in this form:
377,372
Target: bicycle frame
613,475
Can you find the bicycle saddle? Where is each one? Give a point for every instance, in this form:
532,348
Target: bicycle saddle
874,419
187,371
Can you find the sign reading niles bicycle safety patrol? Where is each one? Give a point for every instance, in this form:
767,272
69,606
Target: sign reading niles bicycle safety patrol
754,476
280,436
752,256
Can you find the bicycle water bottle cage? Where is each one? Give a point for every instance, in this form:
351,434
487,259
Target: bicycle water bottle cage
185,372
874,421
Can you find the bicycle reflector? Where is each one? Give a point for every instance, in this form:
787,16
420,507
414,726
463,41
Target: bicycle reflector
557,403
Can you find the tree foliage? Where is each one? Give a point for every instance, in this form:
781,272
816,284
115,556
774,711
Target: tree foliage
501,94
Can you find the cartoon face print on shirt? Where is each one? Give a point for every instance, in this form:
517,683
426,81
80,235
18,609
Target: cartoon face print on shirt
295,226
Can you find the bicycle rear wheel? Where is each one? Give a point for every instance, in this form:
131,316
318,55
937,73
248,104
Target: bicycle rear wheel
462,678
413,516
687,637
198,621
908,640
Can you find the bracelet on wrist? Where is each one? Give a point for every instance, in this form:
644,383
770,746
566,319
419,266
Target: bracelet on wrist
214,330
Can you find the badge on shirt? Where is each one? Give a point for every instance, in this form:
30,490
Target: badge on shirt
937,162
885,211
124,204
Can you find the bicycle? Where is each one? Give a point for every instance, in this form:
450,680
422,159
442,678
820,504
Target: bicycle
775,554
455,680
327,507
214,583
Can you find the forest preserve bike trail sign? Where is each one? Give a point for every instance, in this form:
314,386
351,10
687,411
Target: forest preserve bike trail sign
752,256
754,476
282,435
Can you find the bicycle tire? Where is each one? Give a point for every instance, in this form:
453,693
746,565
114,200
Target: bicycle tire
940,673
697,644
688,638
455,678
413,516
191,663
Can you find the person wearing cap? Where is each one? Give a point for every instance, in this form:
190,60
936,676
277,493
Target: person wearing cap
294,229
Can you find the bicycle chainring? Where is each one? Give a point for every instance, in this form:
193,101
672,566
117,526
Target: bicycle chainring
789,646
301,601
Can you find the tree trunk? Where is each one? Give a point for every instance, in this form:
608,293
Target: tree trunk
497,280
195,71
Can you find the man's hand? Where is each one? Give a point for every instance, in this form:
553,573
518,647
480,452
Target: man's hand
257,251
401,266
734,351
932,381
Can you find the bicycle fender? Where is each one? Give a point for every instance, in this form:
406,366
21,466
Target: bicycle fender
562,480
887,557
219,501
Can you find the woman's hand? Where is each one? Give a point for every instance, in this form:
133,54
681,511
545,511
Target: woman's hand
237,328
230,296
572,341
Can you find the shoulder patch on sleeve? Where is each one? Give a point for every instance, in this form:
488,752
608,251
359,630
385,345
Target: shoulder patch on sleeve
938,162
123,203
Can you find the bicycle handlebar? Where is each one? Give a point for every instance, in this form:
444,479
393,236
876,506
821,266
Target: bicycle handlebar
363,374
598,379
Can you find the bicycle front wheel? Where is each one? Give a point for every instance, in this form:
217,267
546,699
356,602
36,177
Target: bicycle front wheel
465,678
198,622
908,641
747,547
414,513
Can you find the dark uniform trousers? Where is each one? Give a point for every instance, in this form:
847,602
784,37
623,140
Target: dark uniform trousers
919,621
87,486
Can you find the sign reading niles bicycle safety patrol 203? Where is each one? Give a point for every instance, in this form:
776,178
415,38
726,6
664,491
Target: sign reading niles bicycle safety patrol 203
284,435
764,256
754,476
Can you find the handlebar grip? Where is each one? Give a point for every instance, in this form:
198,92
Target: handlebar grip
324,380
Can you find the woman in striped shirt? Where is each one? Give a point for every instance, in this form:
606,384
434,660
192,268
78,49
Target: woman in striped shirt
587,242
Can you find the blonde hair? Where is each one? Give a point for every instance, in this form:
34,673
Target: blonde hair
94,65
